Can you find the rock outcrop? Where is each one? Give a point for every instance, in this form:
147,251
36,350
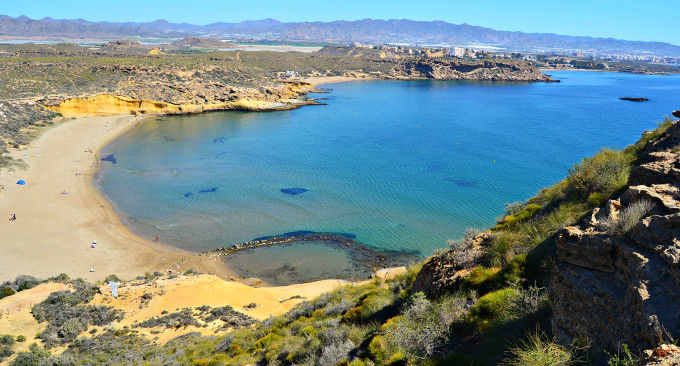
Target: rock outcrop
664,355
616,277
454,69
443,273
285,96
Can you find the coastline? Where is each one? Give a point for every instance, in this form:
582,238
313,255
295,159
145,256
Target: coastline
53,231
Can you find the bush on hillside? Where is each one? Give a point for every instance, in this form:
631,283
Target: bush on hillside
628,218
520,216
423,326
536,350
20,283
606,172
35,356
66,315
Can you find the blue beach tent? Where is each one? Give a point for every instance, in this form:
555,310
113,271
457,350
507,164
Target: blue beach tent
21,182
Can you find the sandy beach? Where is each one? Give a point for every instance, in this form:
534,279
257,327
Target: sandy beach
321,80
59,214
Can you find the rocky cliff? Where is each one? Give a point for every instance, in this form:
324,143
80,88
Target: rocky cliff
455,69
616,275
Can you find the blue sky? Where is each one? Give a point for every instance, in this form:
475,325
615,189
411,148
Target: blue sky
648,20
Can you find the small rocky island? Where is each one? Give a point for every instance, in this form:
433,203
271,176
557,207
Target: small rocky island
633,99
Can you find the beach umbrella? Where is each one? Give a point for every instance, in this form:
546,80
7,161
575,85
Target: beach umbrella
21,182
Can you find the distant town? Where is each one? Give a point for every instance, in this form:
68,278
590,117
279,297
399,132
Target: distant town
643,64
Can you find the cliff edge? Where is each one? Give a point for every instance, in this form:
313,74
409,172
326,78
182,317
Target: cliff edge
616,277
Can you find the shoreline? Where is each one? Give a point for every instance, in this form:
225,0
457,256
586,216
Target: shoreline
53,231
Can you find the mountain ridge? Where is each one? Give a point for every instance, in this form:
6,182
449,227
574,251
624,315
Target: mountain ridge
339,31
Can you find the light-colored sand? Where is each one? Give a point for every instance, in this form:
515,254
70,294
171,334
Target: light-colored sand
168,295
53,231
197,290
16,318
319,80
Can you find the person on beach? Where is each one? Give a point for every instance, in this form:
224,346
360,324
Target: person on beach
156,238
13,217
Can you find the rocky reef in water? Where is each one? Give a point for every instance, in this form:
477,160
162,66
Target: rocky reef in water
364,258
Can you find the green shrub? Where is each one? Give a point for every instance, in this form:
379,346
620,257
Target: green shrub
33,357
595,199
522,215
423,326
378,349
112,277
537,351
494,304
21,338
373,303
502,244
624,357
6,340
6,291
5,351
481,278
66,315
606,172
514,271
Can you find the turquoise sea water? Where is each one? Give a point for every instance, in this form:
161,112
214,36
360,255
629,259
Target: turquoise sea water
404,166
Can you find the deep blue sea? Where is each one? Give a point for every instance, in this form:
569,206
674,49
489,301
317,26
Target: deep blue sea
402,165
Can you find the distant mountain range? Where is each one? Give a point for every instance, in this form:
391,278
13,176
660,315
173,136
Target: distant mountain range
366,31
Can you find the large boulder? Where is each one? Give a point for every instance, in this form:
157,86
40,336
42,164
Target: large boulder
443,273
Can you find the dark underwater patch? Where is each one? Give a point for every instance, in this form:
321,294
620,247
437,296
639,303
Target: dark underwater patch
110,158
293,191
188,194
461,182
305,232
219,140
208,190
170,138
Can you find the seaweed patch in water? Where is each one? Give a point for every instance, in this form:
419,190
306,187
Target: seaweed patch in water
170,138
219,140
208,190
110,158
461,182
188,194
293,191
